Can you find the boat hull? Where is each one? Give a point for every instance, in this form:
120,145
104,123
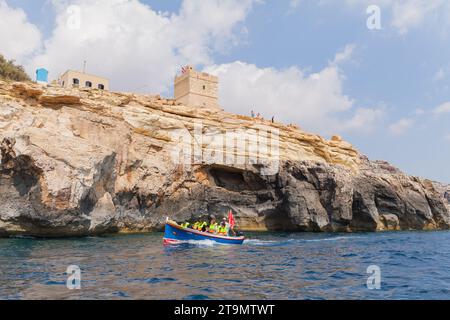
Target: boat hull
174,234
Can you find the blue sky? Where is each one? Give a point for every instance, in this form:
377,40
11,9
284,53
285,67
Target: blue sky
387,88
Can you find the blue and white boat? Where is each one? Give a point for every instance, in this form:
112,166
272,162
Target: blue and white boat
174,234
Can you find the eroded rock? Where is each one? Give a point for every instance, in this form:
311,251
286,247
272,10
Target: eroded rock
108,165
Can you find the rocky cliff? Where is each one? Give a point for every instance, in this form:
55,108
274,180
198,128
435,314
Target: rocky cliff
80,162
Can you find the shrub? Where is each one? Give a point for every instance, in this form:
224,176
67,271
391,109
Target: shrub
9,70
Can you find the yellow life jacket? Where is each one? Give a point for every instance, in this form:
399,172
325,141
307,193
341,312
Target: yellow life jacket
195,227
223,230
185,225
213,228
201,225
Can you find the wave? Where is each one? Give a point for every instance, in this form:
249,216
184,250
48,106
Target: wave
331,239
260,242
198,243
257,242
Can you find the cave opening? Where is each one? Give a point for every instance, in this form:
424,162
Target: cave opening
236,180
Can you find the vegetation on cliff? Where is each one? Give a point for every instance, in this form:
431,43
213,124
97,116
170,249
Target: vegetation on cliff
10,71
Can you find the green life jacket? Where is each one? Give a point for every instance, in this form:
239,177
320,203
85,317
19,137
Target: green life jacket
223,230
213,228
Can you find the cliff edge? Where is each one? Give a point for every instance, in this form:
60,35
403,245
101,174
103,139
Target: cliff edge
80,162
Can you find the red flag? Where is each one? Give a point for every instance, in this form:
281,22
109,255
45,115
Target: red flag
231,219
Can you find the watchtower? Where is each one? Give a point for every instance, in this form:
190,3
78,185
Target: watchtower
197,89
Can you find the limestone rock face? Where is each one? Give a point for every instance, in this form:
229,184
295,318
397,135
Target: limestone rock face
81,162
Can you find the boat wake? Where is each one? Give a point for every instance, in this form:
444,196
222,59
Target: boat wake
198,243
259,242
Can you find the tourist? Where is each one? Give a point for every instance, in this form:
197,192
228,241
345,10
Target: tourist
202,226
185,225
227,225
223,230
213,226
253,114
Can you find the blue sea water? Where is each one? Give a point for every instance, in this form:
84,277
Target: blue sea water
413,265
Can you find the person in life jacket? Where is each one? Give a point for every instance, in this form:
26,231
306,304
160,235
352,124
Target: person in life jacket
224,227
195,226
202,226
185,225
213,226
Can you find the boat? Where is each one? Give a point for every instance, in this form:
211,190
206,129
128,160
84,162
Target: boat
175,234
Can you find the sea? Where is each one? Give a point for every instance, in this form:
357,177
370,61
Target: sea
387,265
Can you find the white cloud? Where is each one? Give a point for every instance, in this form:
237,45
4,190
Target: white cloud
138,48
443,108
441,74
401,126
294,4
420,111
409,14
344,55
18,37
364,119
314,101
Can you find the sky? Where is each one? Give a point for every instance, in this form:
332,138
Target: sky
375,72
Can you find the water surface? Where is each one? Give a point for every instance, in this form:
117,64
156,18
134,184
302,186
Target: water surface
414,265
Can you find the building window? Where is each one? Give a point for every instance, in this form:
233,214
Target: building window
101,87
88,84
76,82
63,83
204,87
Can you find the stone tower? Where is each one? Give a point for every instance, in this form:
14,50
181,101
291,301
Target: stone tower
196,89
